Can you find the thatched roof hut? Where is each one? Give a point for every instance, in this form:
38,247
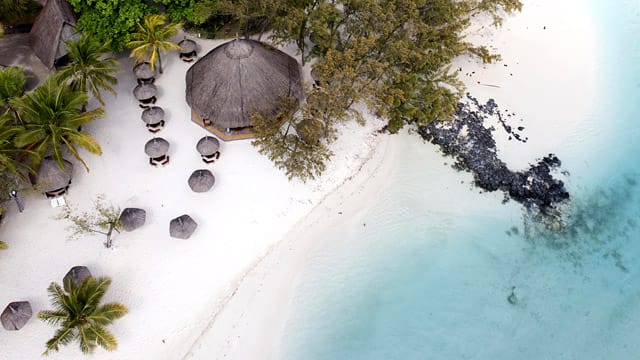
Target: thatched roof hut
54,25
182,227
156,147
16,315
187,46
143,71
75,277
201,180
132,218
238,78
145,91
51,178
208,145
153,115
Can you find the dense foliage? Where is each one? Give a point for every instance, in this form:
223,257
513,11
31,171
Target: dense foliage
392,55
80,316
113,21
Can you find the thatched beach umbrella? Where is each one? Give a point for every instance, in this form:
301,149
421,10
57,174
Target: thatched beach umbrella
51,178
182,227
145,91
156,147
187,47
132,218
153,115
143,71
201,180
16,315
241,77
208,145
75,277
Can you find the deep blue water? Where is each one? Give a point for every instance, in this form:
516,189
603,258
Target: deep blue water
424,283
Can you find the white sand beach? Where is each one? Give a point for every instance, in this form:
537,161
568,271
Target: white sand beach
223,293
545,50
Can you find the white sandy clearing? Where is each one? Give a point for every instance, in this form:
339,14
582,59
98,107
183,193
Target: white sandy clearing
172,287
538,84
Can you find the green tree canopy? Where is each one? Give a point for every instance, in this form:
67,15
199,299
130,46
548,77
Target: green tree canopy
113,21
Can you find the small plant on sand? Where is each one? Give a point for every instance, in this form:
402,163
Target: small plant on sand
3,245
102,219
80,317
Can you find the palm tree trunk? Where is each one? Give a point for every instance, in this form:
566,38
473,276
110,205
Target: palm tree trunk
109,241
159,63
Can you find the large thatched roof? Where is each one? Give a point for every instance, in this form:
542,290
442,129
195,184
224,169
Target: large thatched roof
54,25
241,77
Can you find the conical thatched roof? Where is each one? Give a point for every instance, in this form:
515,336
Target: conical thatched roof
144,91
182,227
54,25
16,315
201,180
143,71
50,177
153,115
208,145
239,78
132,218
75,277
156,147
187,46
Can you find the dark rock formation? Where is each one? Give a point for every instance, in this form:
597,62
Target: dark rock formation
472,145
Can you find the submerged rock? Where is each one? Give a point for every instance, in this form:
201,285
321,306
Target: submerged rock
474,148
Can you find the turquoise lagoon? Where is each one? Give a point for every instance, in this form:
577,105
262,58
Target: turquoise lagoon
402,279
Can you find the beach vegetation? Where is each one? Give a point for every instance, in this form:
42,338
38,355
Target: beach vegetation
12,84
394,56
151,38
296,145
80,316
103,219
3,245
88,69
53,116
113,21
13,160
19,12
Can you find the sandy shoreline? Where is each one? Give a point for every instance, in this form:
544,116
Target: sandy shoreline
539,47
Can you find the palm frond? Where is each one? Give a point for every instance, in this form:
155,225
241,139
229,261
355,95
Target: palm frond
63,336
103,337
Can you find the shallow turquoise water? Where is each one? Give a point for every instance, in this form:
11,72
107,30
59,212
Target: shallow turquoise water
403,280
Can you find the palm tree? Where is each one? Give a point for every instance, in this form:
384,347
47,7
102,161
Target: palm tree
12,82
52,115
3,245
87,70
80,317
12,159
151,38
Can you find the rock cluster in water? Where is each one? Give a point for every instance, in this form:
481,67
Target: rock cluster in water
473,146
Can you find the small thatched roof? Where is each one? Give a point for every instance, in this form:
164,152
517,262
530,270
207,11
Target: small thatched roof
143,71
50,177
187,46
182,227
239,78
201,180
75,277
153,115
145,91
156,147
16,315
54,25
208,145
132,218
